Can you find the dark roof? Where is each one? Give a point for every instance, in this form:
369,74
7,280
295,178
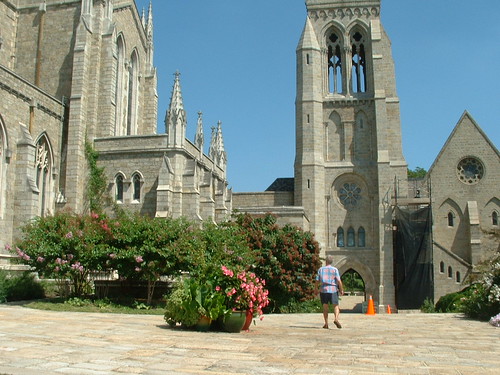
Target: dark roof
282,184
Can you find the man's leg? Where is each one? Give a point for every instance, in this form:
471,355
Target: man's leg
336,311
325,314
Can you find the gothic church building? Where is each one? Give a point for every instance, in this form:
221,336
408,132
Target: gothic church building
78,71
351,175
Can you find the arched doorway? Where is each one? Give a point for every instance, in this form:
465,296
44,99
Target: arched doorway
354,291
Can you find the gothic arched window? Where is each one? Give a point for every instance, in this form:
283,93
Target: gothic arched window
451,219
494,218
351,242
361,237
335,73
120,97
43,165
340,237
358,62
136,182
133,86
119,188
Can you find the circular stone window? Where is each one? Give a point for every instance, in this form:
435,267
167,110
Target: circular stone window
349,195
470,171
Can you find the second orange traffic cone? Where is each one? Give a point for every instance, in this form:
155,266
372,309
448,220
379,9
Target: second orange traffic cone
371,308
389,309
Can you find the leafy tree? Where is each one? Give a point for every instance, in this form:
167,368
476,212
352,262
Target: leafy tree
95,192
418,172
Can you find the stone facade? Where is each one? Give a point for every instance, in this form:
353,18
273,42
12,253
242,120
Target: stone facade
73,71
350,172
465,204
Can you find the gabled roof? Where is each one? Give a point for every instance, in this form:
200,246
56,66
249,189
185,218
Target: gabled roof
465,115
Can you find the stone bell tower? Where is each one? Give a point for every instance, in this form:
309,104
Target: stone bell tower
349,160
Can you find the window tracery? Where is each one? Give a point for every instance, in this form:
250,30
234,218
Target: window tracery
470,171
43,167
358,62
335,73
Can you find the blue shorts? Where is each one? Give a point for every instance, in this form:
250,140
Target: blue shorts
327,298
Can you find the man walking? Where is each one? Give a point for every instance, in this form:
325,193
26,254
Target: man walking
331,286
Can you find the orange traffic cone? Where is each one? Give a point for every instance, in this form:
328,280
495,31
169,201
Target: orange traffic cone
389,309
371,307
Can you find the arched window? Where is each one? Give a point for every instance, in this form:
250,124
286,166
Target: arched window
136,181
358,62
351,242
450,272
441,267
43,165
340,237
361,237
457,277
133,85
494,218
451,220
120,93
119,188
335,73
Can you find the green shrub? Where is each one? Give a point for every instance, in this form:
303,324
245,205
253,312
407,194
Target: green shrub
428,306
450,303
19,288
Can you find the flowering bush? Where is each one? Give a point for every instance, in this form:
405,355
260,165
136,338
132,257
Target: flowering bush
65,247
244,290
287,257
495,321
483,298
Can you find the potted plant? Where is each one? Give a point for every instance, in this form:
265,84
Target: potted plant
195,303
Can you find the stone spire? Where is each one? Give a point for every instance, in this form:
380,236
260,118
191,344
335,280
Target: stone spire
143,18
175,120
220,152
199,138
308,39
212,154
149,36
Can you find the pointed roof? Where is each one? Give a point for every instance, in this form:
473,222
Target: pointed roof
176,102
199,137
175,119
465,116
308,39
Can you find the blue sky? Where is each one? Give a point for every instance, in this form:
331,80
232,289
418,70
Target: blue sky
237,65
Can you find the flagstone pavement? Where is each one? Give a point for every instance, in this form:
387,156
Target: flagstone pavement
43,342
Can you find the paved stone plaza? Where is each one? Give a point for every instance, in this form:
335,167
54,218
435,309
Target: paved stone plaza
41,342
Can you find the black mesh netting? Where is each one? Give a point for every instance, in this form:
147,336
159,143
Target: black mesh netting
413,269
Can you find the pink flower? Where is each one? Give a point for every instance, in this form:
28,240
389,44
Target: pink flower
112,255
8,247
69,235
40,259
139,259
94,215
137,269
217,288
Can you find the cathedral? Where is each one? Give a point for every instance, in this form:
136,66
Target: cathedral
77,72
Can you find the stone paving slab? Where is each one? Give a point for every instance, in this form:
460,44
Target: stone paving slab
65,343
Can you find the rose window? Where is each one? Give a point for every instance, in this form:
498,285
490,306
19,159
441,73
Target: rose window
470,171
349,195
